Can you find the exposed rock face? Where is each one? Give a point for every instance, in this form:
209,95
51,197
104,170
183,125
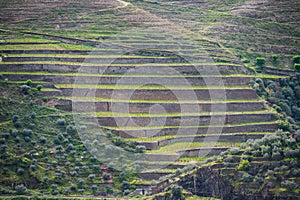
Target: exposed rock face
208,182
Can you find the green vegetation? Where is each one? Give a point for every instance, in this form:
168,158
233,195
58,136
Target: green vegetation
42,143
44,44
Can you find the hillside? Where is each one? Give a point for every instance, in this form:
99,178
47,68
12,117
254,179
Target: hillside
112,98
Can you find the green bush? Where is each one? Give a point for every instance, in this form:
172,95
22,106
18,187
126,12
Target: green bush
106,176
71,129
27,132
20,171
61,122
21,189
39,87
284,125
243,165
28,82
260,61
25,89
296,59
289,185
297,67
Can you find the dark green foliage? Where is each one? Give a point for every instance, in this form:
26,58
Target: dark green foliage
176,192
125,185
25,89
5,135
244,165
61,122
28,82
20,171
284,125
27,132
71,129
140,148
106,176
15,118
275,60
21,189
39,87
297,67
284,96
260,61
289,185
43,140
296,59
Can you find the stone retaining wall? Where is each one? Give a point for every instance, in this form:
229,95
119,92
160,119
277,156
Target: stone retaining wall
203,94
93,60
168,107
187,121
63,68
218,138
200,130
131,80
207,151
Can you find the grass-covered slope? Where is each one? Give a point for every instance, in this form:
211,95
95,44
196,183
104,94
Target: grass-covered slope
42,154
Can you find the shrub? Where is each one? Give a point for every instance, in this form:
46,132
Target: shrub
297,67
126,192
284,125
125,185
18,124
55,192
60,136
140,148
296,59
3,148
39,87
28,82
21,189
33,115
25,89
5,135
260,61
106,176
73,173
92,176
14,132
27,132
15,118
94,188
247,177
243,165
43,140
289,185
71,129
32,167
176,192
61,122
27,139
20,171
119,141
275,59
59,148
2,141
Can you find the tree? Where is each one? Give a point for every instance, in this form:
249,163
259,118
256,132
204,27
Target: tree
176,192
20,171
243,165
21,189
106,176
260,61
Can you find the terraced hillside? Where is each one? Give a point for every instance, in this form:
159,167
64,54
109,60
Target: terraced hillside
159,99
248,28
145,74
